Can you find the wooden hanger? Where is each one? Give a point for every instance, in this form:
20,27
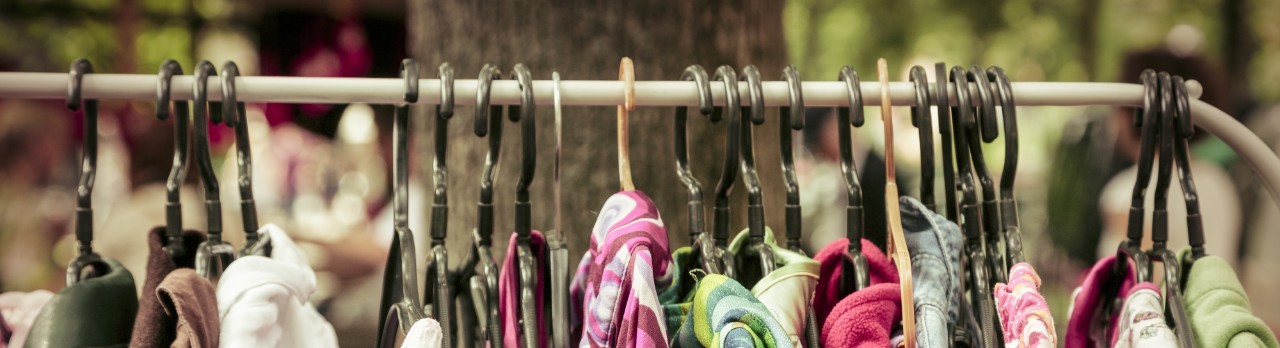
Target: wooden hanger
897,241
627,73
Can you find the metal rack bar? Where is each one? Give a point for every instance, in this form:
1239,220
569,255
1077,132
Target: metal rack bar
608,93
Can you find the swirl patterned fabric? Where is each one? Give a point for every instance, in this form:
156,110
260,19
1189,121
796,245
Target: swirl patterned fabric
1024,313
618,280
722,313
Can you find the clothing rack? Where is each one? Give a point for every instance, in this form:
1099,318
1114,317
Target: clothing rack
325,90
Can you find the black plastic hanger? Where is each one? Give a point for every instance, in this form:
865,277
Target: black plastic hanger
729,171
975,244
1160,216
922,119
791,118
214,254
1008,206
526,264
856,272
400,297
234,114
699,239
1185,129
483,285
87,263
756,247
984,128
178,172
438,287
949,185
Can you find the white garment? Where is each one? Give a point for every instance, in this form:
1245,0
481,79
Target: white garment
1142,322
264,302
1219,208
424,334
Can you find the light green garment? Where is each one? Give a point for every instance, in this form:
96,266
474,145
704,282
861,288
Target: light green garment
1219,308
787,290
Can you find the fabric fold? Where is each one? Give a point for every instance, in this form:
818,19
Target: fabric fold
935,244
18,311
153,327
1085,327
96,312
191,303
509,296
620,275
788,290
831,270
1024,314
1142,323
864,319
265,302
425,333
1218,307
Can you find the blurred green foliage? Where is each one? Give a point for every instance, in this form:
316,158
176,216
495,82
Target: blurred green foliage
48,35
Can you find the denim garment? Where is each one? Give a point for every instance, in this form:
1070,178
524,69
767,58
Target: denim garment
935,245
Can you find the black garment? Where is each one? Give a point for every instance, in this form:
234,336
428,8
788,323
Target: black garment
875,219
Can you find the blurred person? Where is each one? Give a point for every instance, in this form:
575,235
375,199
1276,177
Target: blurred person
1219,202
822,186
37,185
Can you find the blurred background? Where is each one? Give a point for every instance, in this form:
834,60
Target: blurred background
322,171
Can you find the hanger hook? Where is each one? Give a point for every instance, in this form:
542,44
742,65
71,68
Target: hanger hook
178,171
235,114
525,115
729,171
922,119
214,254
755,196
699,76
1164,164
439,169
626,73
1195,224
487,121
87,258
846,116
1008,206
791,115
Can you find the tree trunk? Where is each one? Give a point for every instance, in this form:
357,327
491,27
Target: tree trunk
584,40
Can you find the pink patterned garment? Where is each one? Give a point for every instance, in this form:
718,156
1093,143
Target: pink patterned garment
1024,314
509,295
616,287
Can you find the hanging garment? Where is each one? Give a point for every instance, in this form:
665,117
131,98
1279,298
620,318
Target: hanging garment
1085,329
865,318
265,302
190,304
154,327
722,313
509,296
423,334
830,260
1218,308
18,311
935,244
96,312
788,290
1142,322
1024,314
620,275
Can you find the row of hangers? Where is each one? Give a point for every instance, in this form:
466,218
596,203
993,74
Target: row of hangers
213,255
991,227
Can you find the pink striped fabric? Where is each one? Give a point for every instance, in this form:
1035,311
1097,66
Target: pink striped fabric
619,277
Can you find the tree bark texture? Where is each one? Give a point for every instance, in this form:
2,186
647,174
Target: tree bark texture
584,40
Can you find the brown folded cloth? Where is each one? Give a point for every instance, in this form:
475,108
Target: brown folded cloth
153,327
192,303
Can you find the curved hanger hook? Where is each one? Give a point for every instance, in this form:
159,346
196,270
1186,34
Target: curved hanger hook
697,218
1146,155
791,115
729,171
525,115
943,100
990,203
1008,206
87,260
626,73
488,120
922,119
178,172
755,195
439,169
1195,224
1164,164
857,274
215,254
234,113
400,297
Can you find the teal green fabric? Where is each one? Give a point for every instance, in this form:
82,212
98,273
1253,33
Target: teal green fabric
1219,308
712,310
96,312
